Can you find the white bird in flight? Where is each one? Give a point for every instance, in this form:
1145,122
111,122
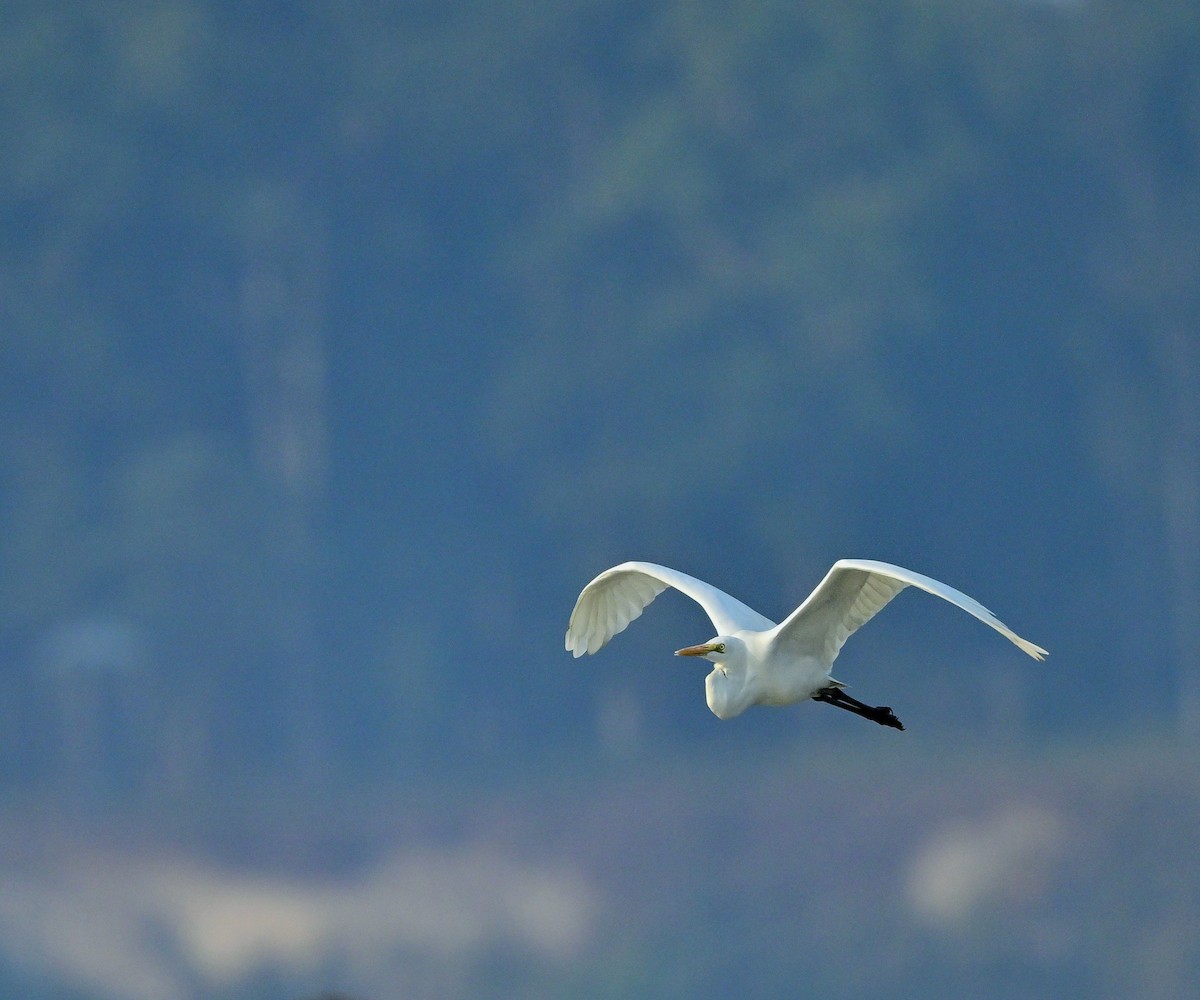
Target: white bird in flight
755,661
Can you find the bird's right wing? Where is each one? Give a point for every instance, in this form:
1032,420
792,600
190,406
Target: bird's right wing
854,591
617,596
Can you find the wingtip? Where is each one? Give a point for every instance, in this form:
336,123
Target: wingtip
1033,650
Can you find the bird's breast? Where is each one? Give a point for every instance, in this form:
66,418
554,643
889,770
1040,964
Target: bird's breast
724,695
774,682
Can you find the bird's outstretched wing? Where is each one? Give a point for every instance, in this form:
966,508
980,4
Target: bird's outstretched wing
619,595
853,592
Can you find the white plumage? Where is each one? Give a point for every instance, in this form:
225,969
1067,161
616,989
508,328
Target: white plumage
757,662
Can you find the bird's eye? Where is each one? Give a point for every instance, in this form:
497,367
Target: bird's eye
720,647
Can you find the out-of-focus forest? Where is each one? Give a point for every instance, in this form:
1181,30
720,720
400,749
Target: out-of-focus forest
342,343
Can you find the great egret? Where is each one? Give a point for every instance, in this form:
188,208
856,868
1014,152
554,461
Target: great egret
755,661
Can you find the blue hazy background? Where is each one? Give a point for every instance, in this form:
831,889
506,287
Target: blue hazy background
342,343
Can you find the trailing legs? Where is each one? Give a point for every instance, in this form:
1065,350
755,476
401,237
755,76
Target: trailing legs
839,699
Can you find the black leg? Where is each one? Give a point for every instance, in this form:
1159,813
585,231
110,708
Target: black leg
839,699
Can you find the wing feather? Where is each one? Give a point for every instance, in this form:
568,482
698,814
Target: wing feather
619,595
853,592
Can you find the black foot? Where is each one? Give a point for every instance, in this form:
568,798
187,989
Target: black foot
886,717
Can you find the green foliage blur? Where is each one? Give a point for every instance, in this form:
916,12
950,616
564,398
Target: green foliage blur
342,344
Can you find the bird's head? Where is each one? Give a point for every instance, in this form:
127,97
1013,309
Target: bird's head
723,651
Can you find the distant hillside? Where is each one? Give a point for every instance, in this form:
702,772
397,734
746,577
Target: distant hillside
1065,872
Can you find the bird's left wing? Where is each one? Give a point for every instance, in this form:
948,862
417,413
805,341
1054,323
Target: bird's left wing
853,592
617,596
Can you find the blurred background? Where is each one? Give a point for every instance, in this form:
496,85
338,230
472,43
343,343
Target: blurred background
342,343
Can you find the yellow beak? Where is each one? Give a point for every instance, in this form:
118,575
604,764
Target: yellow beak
702,650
